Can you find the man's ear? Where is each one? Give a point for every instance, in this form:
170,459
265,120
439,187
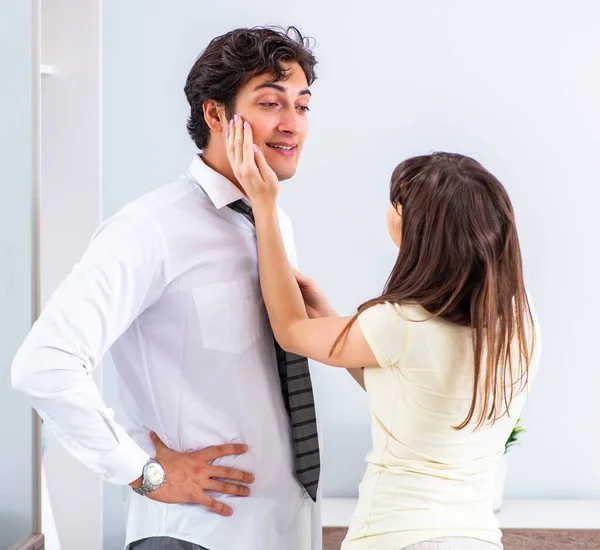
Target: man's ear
214,115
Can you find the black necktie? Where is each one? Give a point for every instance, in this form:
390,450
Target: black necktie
296,388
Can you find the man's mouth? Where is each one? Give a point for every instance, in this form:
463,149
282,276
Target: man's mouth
284,149
281,146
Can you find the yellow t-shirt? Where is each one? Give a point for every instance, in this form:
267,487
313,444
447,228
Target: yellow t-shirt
425,480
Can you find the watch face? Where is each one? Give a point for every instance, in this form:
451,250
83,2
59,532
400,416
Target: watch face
154,474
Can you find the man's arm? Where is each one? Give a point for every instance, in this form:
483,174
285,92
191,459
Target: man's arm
122,272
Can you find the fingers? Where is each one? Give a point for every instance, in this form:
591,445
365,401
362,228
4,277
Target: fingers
238,139
212,453
248,145
214,505
229,143
240,152
263,167
302,280
218,486
225,472
234,140
157,441
299,276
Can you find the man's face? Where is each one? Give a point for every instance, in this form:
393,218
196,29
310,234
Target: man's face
278,115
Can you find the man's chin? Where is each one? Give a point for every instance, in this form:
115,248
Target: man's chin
284,168
284,174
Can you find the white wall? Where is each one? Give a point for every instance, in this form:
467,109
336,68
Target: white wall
514,84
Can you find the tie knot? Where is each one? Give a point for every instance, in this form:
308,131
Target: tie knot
241,206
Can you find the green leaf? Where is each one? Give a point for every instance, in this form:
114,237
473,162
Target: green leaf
514,435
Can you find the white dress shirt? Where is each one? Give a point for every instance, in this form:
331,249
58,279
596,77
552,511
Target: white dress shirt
170,285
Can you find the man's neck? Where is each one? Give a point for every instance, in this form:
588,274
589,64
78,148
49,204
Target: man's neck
220,164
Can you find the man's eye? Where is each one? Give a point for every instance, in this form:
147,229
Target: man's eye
304,108
269,104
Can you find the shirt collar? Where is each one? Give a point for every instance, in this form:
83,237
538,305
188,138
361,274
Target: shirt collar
218,188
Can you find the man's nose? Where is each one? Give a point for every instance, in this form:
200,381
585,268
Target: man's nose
289,123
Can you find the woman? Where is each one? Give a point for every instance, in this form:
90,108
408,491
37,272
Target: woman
450,346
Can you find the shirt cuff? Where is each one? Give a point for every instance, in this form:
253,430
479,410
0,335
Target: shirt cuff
125,464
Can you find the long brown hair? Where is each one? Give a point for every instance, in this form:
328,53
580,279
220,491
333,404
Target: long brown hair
460,259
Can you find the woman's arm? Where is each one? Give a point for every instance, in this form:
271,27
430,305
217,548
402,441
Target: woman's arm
317,305
292,327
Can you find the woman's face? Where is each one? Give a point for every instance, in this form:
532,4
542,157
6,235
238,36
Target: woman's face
394,223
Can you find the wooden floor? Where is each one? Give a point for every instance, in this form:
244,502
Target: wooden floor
513,539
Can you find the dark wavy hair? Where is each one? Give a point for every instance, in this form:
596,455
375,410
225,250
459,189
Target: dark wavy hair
460,259
231,60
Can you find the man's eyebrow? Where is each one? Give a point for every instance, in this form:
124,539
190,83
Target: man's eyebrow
279,88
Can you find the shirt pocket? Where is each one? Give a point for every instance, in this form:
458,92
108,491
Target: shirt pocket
231,315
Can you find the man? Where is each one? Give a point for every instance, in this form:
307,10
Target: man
208,438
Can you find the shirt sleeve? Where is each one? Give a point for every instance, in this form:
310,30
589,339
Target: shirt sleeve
386,331
123,271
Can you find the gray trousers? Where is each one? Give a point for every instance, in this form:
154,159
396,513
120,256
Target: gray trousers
163,543
453,543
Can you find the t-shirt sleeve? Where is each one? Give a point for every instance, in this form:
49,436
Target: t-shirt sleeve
385,330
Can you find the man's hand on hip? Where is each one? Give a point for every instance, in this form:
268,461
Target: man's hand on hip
190,475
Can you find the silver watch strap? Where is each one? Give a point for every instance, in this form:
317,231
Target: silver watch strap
143,490
147,487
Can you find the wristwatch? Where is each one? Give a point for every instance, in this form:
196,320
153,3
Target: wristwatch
153,477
